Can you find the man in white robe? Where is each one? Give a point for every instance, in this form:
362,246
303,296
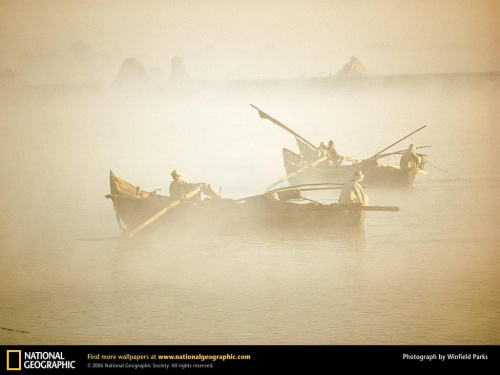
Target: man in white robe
410,161
352,192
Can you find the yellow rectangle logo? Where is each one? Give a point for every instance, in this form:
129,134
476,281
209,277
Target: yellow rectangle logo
13,360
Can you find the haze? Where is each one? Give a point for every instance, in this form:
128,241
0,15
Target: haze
86,41
425,275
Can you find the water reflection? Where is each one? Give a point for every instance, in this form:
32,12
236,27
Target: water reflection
350,236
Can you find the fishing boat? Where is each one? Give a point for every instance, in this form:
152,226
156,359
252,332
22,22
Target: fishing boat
281,209
376,174
313,165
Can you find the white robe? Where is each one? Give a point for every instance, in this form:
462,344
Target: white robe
410,161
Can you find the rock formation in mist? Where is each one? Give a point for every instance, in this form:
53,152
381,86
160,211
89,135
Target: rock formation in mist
353,68
11,78
178,70
132,72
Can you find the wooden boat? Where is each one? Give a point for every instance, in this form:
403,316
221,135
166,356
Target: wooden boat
283,209
312,165
376,174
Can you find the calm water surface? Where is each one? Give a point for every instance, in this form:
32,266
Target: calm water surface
428,274
425,275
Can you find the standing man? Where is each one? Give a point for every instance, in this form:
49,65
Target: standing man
352,192
410,161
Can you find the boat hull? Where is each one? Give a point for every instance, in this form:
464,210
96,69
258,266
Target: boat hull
375,174
228,217
138,211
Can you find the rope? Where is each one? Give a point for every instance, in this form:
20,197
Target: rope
444,170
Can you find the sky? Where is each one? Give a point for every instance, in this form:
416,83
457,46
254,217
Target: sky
86,41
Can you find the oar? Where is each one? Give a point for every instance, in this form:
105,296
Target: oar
395,143
264,115
302,185
291,188
334,187
324,188
350,207
162,212
313,164
398,152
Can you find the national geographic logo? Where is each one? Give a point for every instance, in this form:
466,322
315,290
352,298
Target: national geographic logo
13,360
37,361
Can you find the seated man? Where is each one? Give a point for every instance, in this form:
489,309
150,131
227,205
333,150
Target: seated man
335,158
352,192
409,160
322,150
179,188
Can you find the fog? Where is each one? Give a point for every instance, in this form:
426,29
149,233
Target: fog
67,138
66,121
59,143
86,42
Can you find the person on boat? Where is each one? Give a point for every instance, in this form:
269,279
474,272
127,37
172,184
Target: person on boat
179,188
410,161
334,157
322,151
352,192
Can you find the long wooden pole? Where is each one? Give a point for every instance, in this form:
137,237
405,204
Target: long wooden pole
315,189
395,143
350,207
162,212
308,185
399,152
313,164
264,115
295,187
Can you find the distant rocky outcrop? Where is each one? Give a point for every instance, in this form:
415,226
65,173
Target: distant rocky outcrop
178,70
132,72
353,68
11,78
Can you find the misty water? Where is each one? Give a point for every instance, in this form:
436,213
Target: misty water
428,274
